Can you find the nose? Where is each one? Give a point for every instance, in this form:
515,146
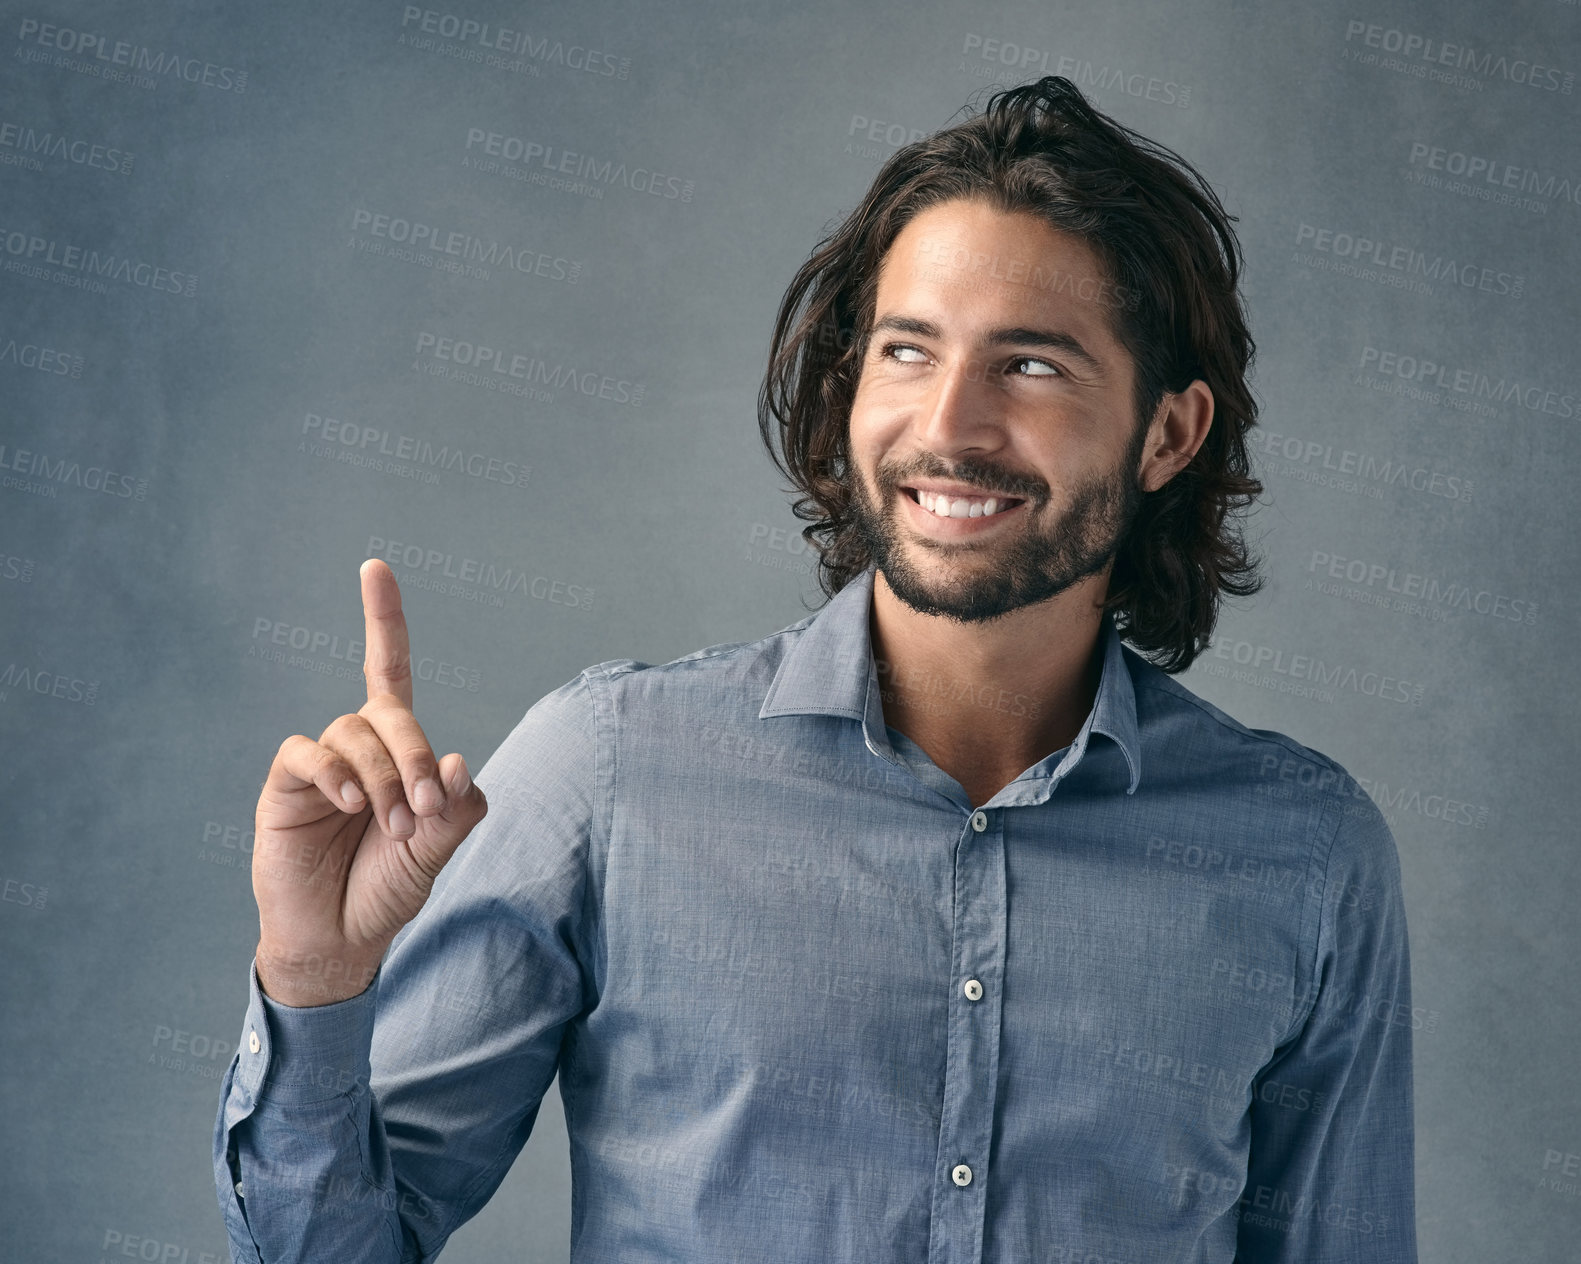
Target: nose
960,411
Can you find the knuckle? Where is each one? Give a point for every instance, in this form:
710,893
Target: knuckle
296,754
383,703
389,788
349,727
419,759
386,667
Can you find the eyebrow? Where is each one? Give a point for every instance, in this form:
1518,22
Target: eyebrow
1017,336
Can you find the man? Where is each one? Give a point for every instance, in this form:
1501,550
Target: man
938,925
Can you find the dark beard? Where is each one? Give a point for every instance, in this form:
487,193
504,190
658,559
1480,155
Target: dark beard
1034,567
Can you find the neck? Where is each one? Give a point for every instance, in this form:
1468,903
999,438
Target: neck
988,700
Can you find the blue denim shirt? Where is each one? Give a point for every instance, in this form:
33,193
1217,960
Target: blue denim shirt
1148,1003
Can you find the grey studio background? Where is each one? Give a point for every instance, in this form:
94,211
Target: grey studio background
286,286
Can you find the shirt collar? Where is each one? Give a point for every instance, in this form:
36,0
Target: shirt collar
829,670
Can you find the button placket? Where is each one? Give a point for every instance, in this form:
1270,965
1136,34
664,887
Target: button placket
972,1054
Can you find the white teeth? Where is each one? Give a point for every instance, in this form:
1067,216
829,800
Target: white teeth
943,507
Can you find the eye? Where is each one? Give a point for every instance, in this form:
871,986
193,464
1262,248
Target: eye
1050,370
891,351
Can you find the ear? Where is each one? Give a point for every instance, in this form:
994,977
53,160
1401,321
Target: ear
1177,430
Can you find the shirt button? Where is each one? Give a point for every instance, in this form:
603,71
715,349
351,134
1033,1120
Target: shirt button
961,1175
253,1042
973,990
238,1189
979,821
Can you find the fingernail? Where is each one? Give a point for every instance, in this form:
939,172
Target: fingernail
401,820
463,777
351,792
427,795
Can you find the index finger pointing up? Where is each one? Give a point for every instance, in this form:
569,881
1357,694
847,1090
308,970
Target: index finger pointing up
387,660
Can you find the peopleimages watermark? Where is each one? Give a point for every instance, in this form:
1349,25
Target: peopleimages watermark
1427,57
21,144
31,895
20,570
1429,589
874,138
177,1049
1352,470
497,45
306,649
1561,1172
825,873
1490,178
992,52
1424,372
482,365
472,578
238,842
453,249
407,456
1304,675
1287,778
47,684
778,548
33,255
47,360
950,263
1393,801
1398,264
41,474
498,153
119,1244
1209,864
89,52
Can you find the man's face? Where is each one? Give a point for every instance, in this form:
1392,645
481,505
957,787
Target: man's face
992,368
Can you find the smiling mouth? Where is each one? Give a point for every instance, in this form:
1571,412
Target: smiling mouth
962,506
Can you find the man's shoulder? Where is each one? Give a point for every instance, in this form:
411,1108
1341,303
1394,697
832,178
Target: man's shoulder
565,736
726,678
1185,731
722,658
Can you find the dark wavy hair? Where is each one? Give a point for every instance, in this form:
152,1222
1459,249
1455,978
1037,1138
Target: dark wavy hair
1173,263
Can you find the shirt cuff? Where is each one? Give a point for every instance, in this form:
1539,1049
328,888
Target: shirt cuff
299,1055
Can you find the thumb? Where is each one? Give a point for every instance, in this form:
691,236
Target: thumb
458,780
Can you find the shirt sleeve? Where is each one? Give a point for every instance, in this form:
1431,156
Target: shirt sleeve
1330,1176
370,1129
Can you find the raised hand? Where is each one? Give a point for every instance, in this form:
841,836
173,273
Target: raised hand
352,829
